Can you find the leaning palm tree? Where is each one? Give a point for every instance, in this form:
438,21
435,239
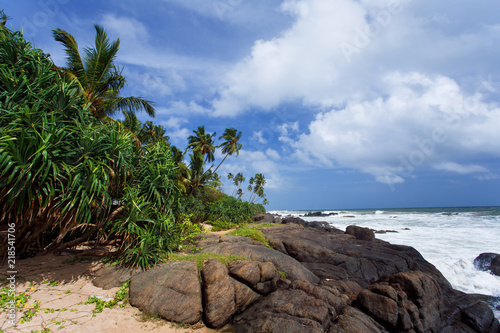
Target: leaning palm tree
231,145
97,75
202,142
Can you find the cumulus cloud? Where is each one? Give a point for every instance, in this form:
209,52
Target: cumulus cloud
424,121
336,52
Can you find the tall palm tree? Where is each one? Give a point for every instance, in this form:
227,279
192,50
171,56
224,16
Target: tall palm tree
258,190
231,145
202,142
99,78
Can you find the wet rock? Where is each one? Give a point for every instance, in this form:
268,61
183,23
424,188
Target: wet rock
488,262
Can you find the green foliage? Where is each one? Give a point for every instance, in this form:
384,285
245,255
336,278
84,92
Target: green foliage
200,258
252,233
232,210
66,176
120,296
219,225
188,228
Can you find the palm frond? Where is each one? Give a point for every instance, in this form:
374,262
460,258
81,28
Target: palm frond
99,60
74,60
133,104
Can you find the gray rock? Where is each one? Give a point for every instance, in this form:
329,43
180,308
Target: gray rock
171,290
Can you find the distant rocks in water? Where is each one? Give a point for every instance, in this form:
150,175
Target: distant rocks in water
449,214
325,226
319,214
267,218
349,216
488,262
385,231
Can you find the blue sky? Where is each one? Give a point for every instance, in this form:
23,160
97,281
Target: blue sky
342,103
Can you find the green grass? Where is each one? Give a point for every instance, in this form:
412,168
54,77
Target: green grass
120,296
200,258
252,233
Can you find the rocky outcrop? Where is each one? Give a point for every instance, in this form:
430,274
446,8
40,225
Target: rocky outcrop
329,282
341,256
171,290
267,218
242,246
319,214
488,262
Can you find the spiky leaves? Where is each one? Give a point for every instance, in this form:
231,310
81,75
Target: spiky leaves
99,79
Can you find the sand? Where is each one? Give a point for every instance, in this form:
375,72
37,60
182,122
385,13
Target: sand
59,285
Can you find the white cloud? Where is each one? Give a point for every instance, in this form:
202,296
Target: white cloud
259,137
460,168
308,62
273,154
182,108
425,121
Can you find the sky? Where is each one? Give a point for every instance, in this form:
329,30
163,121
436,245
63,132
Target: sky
342,103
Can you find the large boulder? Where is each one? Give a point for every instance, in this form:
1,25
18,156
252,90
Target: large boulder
299,307
488,262
108,277
242,246
171,290
340,256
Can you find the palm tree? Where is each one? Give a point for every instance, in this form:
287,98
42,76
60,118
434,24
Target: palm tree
202,142
153,133
99,79
258,188
231,145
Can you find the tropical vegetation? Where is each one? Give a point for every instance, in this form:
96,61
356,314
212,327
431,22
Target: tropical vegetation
70,175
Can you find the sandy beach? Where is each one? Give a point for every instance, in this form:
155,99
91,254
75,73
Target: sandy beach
56,289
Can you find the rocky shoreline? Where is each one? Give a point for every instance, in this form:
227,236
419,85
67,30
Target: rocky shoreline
314,278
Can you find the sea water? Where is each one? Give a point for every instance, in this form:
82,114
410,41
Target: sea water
449,238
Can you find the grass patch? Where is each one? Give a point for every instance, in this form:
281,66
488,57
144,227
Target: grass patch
252,233
100,304
200,258
219,225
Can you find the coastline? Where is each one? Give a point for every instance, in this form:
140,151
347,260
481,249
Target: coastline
73,272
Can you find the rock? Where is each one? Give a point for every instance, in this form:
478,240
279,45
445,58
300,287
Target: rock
218,294
324,226
381,307
108,277
171,290
245,271
257,251
319,214
267,218
343,257
286,311
423,292
385,231
365,234
352,320
488,262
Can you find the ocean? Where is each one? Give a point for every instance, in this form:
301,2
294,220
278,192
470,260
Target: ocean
448,237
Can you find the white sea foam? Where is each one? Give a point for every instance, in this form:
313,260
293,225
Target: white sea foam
449,242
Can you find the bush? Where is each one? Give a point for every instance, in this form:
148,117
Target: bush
232,210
